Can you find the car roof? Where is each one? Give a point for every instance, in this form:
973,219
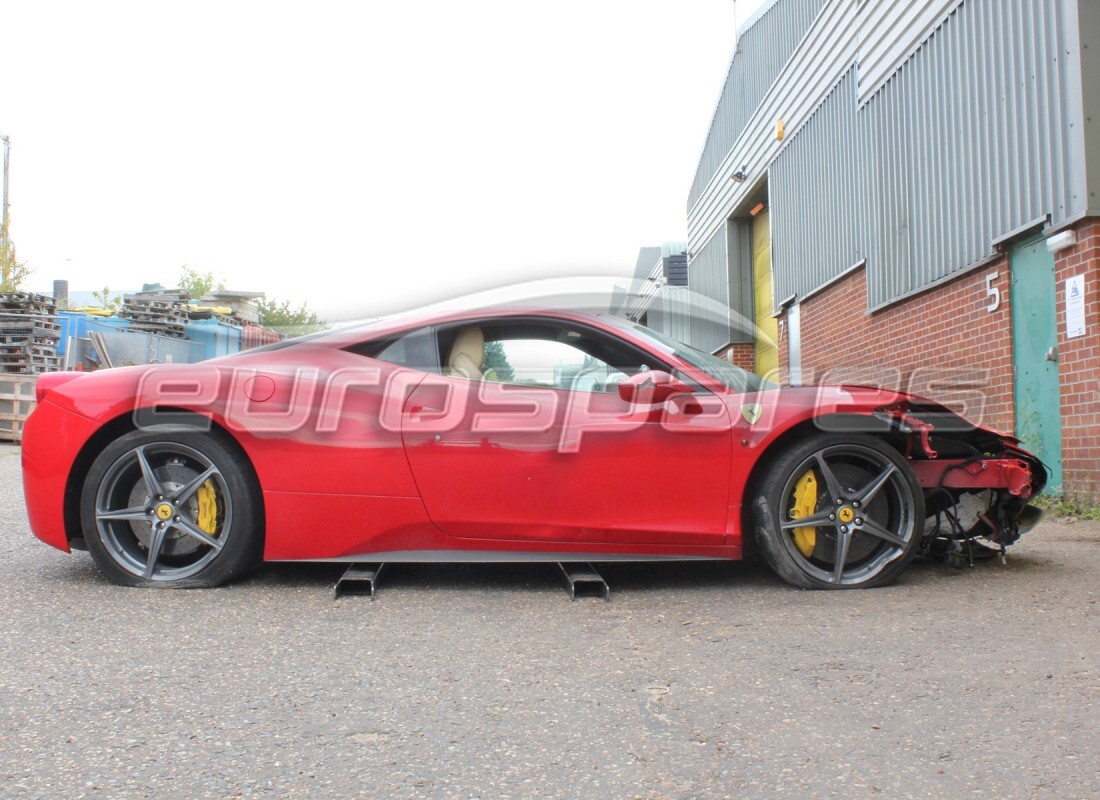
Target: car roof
383,328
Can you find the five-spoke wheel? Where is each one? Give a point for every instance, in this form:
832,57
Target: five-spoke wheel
171,507
839,512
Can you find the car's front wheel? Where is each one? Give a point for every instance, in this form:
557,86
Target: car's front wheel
839,512
172,507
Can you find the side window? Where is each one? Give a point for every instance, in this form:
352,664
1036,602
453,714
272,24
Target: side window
539,353
416,350
549,363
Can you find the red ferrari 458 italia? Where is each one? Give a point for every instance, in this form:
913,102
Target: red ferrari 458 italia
506,435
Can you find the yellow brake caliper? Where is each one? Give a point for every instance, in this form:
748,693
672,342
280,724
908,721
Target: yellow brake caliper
208,508
805,501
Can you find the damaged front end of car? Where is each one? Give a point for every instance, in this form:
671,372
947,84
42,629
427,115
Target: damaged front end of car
977,481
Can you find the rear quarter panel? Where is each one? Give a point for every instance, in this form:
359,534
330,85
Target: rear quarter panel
319,426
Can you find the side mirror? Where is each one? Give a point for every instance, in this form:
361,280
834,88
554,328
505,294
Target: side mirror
652,388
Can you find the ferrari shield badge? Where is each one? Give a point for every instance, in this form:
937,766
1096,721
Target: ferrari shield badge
751,412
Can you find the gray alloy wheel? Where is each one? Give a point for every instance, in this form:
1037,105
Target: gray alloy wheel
840,512
171,508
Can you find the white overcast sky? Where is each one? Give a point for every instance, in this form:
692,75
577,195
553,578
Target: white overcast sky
361,156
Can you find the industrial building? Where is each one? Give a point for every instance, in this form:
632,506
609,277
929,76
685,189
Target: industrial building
905,194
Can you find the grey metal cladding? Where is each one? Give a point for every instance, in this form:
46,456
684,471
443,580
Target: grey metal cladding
708,279
816,194
648,257
979,133
671,313
1089,32
742,296
974,137
717,308
656,317
761,53
619,294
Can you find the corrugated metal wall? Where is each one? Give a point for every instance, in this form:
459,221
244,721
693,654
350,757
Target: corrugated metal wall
979,132
670,313
972,139
619,293
761,53
656,266
1089,31
648,257
889,32
708,279
826,52
816,191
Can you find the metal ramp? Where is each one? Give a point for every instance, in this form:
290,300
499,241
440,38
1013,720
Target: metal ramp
584,581
358,579
581,578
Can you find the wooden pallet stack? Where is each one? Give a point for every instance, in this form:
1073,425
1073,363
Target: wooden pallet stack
16,404
29,334
162,315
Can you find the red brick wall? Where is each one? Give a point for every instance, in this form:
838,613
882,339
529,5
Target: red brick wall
941,344
1079,368
741,355
785,354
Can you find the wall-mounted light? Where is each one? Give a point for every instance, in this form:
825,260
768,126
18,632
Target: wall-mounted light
1061,241
780,129
741,175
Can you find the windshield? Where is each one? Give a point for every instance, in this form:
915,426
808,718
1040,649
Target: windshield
732,377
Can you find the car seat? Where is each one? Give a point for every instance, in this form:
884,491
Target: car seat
467,355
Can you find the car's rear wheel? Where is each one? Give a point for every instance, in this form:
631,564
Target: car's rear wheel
839,512
172,507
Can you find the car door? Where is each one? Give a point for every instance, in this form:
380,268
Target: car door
542,447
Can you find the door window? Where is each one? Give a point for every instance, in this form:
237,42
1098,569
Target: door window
550,364
541,354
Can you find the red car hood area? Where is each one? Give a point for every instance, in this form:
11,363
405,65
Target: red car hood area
778,409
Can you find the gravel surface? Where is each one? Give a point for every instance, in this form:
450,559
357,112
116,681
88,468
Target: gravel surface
695,680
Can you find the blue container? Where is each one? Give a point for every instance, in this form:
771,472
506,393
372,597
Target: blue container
216,338
76,325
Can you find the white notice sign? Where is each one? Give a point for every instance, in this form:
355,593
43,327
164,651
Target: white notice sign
1075,306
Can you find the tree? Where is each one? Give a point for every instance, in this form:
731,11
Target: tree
13,272
106,302
197,284
291,321
496,362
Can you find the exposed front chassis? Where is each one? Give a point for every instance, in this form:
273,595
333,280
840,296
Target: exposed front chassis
977,483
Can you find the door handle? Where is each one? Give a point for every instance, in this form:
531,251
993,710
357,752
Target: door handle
1052,354
423,413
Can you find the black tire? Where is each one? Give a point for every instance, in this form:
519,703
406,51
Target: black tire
188,498
867,513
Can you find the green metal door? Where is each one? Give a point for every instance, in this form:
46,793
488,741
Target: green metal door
1035,345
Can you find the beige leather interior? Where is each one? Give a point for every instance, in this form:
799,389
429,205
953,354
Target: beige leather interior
467,355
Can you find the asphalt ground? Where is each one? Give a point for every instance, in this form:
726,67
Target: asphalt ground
704,680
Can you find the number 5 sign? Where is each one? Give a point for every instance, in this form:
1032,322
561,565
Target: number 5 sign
993,292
